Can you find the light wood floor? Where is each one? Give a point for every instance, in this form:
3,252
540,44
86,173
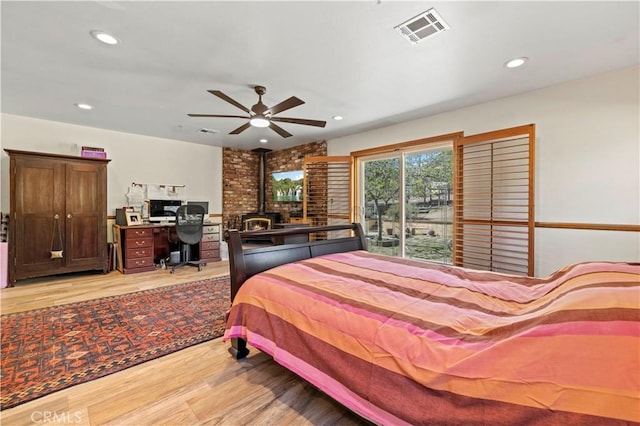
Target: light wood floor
200,385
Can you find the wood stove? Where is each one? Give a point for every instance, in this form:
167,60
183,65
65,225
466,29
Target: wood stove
259,221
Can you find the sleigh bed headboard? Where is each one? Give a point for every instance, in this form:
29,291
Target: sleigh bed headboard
246,262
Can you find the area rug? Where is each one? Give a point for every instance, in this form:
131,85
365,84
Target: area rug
49,349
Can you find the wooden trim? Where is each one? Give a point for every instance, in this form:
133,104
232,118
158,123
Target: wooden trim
591,226
405,145
497,135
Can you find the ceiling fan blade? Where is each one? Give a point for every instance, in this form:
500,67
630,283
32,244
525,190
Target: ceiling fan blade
316,123
240,129
279,130
217,115
230,100
285,105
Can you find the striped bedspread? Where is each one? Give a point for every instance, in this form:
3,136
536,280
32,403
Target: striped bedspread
406,342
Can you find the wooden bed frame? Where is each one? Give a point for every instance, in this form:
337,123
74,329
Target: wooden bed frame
246,262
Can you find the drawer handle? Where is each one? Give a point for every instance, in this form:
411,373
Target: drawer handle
139,243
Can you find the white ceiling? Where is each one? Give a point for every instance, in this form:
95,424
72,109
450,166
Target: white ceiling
342,58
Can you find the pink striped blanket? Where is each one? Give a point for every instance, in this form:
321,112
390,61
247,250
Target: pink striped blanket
407,342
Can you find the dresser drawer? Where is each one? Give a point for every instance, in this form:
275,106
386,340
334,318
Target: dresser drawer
138,252
132,233
210,255
211,229
139,263
210,237
138,243
210,245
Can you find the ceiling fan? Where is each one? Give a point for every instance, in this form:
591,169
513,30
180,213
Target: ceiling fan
262,116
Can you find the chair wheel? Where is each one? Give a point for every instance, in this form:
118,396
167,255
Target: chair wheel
173,271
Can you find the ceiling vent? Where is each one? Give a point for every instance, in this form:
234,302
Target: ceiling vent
422,26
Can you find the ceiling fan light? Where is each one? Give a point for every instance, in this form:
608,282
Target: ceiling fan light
259,122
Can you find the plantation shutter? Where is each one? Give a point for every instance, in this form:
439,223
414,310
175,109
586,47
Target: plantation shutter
494,201
327,191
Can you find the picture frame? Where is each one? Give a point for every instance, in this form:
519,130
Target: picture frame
133,218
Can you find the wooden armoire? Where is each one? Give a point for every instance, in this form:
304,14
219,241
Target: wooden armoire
58,203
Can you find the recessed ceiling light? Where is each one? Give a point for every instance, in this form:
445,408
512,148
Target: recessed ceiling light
516,62
337,117
205,130
83,106
104,37
263,140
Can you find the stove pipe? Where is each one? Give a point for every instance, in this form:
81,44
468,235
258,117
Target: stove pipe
262,178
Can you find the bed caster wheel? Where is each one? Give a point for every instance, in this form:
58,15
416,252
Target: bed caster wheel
173,271
199,268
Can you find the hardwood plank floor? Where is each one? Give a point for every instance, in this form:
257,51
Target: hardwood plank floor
200,385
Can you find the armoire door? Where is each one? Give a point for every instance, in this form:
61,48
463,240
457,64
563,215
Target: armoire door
39,197
85,221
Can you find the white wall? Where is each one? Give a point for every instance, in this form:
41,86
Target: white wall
134,158
587,159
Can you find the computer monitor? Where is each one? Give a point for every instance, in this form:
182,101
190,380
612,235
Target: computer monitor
204,204
163,210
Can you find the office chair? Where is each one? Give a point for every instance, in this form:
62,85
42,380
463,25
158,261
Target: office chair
189,221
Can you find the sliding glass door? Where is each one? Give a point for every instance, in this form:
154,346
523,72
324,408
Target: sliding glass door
407,203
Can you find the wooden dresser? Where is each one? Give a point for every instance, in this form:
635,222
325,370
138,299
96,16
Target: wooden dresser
210,243
136,248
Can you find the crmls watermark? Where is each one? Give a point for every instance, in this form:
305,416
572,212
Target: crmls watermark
57,417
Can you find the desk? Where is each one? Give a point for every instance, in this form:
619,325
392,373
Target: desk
140,247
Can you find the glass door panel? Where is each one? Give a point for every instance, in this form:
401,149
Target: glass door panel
429,205
381,190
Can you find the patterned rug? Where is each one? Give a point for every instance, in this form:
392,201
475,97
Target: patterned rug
49,349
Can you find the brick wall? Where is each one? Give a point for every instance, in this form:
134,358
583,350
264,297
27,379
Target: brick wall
240,179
